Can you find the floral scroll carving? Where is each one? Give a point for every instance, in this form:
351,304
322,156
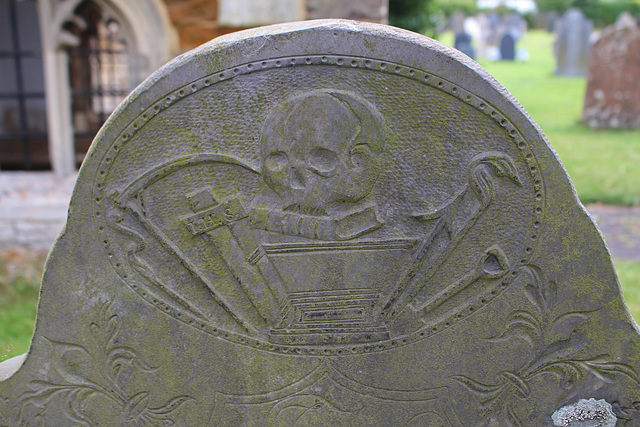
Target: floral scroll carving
555,339
84,374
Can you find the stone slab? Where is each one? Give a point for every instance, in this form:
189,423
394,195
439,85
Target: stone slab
572,44
324,223
360,10
251,13
612,98
507,47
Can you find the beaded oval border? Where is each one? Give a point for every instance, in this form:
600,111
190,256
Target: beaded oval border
437,82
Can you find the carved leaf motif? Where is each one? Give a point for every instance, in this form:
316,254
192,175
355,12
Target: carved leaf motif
606,370
567,372
77,401
136,405
555,341
120,356
170,406
534,295
566,324
521,324
42,392
512,418
560,350
520,385
550,294
477,387
93,372
73,361
293,411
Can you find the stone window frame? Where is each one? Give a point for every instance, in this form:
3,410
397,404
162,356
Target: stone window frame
154,42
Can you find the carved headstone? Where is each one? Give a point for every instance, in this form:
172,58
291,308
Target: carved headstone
612,98
507,47
324,223
572,44
463,44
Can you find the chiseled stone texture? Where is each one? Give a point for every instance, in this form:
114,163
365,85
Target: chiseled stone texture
612,97
324,223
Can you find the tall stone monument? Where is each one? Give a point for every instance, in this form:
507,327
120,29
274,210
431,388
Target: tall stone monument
572,44
612,98
325,223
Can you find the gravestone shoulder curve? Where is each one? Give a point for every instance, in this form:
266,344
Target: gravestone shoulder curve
324,223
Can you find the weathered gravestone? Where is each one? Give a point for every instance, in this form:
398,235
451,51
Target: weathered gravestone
325,223
572,44
463,44
507,47
612,98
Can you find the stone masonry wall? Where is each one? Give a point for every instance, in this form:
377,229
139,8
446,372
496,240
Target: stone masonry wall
197,21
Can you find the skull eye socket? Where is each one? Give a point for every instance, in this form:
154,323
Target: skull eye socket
360,156
322,161
276,161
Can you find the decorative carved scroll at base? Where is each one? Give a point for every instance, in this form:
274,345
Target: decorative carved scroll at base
97,375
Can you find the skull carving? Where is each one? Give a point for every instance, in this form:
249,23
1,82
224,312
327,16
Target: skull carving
321,149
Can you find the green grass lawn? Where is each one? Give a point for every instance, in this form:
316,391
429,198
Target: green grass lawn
19,286
602,165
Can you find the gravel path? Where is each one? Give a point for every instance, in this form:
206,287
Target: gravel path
621,228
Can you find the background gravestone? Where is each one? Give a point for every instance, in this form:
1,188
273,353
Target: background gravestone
325,223
612,98
507,47
572,43
463,44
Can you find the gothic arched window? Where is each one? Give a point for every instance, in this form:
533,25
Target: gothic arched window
100,70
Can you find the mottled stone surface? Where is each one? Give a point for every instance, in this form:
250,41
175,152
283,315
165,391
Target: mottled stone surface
572,43
323,223
612,98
